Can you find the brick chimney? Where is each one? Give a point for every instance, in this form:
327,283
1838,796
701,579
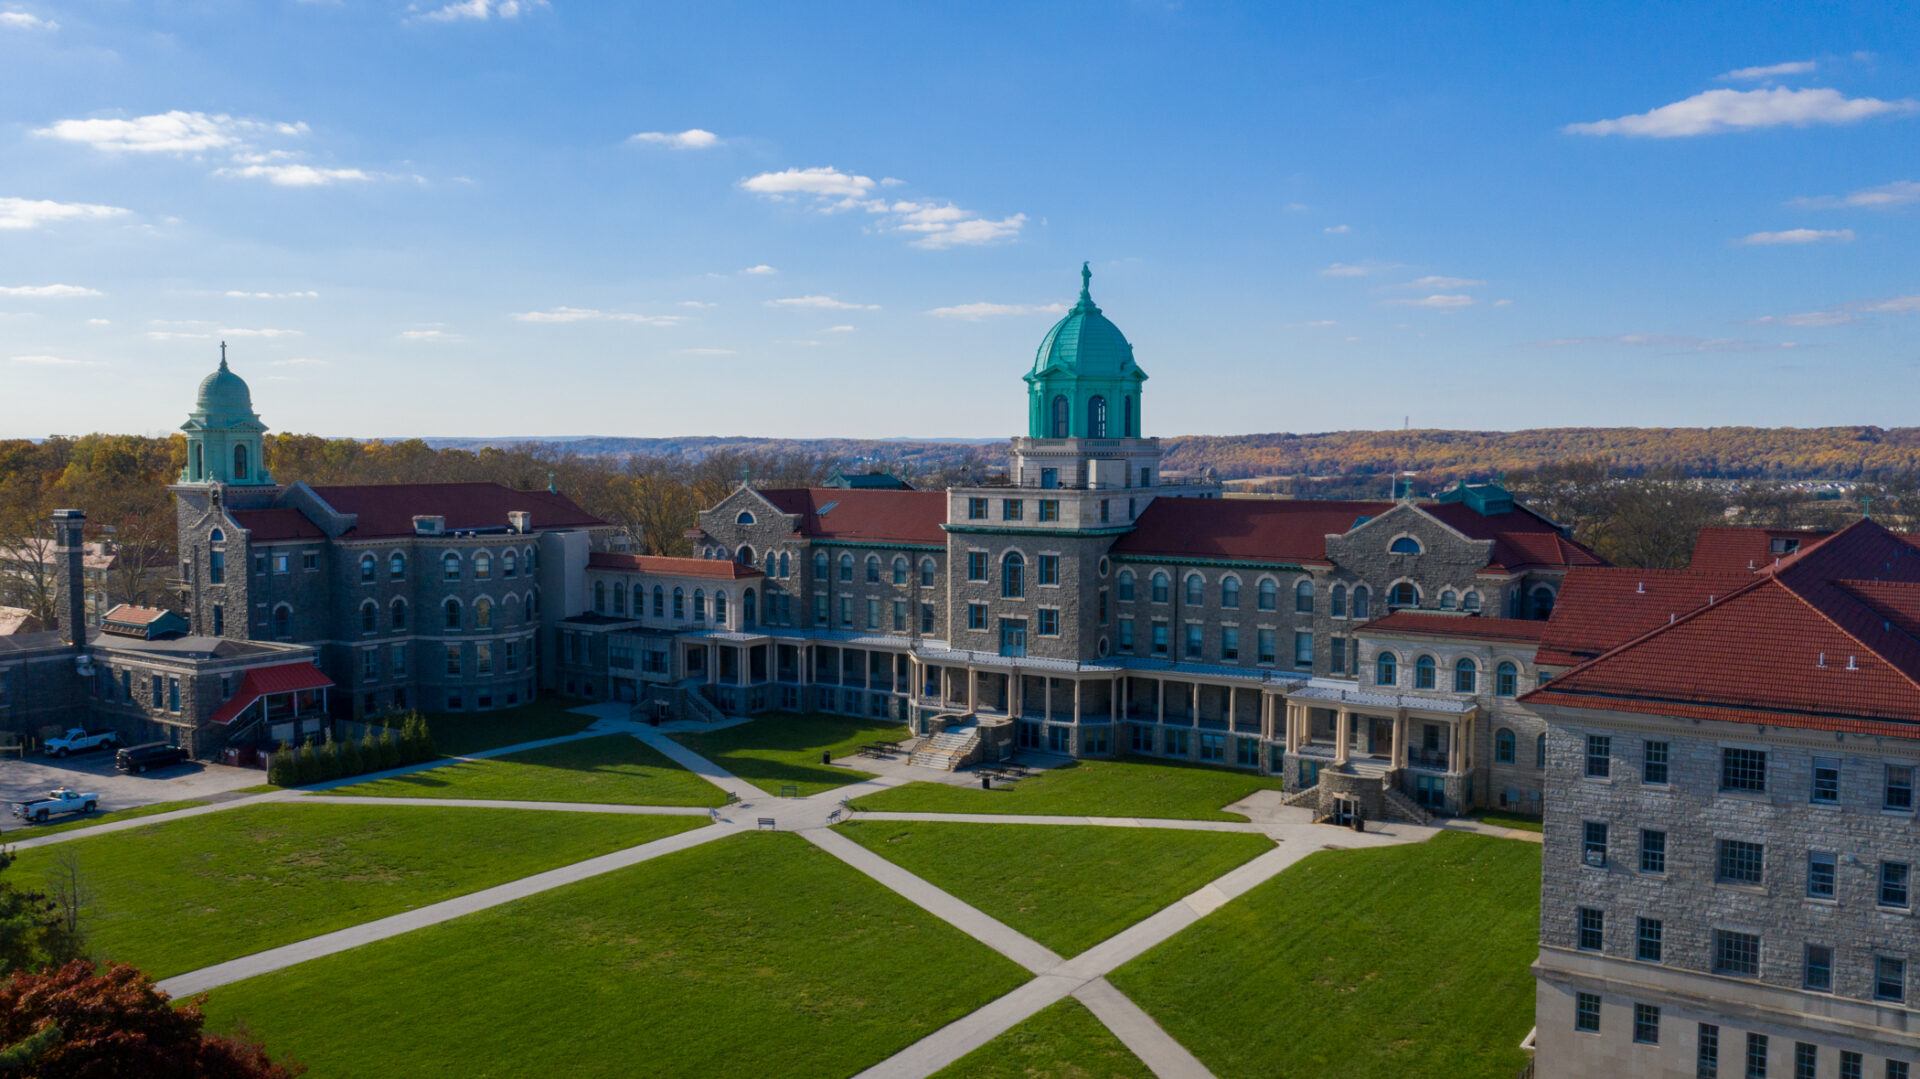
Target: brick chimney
69,551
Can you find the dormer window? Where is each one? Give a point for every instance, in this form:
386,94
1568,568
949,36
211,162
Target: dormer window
1783,545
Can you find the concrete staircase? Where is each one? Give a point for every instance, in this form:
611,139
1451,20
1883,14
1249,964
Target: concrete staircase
953,748
1402,808
696,706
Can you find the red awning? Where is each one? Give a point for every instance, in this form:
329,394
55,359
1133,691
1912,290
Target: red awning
262,681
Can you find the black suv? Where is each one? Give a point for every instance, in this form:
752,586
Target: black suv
151,755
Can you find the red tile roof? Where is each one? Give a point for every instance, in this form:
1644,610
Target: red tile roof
286,523
1744,550
877,515
261,681
389,509
663,566
1599,607
1243,529
1820,641
1459,627
135,616
1521,538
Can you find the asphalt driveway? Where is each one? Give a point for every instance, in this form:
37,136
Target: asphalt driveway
93,773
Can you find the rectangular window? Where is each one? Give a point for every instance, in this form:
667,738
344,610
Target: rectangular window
1049,569
1826,780
1743,770
280,563
926,618
259,563
1889,978
483,658
1852,1065
899,616
1586,1012
1229,643
976,616
976,565
1648,943
173,694
1593,844
1049,478
1821,870
1653,769
1126,635
1894,878
1159,638
1817,969
1599,756
1103,511
1302,648
370,664
1646,1024
1196,641
1048,622
1756,1056
1897,1069
1049,509
217,568
819,610
1706,1060
309,560
511,651
1011,509
1806,1061
873,614
1176,743
1739,862
1653,851
1593,924
846,610
1898,793
976,509
399,660
453,659
1213,747
1737,954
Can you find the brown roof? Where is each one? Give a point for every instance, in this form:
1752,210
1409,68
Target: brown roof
135,616
1459,627
881,516
389,509
1521,538
1599,607
1745,550
266,526
663,566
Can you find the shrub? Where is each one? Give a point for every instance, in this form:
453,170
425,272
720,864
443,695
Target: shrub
327,759
351,763
389,750
370,751
306,765
280,767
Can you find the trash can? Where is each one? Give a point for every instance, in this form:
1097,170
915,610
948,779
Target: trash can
986,783
826,756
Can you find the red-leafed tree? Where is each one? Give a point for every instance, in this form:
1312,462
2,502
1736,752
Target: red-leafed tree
80,1023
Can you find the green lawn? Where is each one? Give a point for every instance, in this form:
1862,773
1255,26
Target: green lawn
615,768
68,824
757,955
780,748
180,895
1063,1041
1068,887
1509,820
1391,961
458,733
1128,787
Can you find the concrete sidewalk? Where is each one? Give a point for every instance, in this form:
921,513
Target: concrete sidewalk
1098,822
491,803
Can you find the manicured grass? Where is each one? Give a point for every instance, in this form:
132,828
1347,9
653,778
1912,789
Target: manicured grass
1509,820
68,824
1062,1041
1392,961
180,895
1068,887
780,748
457,733
615,768
1128,787
757,955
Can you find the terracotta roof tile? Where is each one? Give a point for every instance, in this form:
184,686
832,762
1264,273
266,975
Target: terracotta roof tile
1602,606
880,516
389,509
1460,627
664,566
261,681
285,523
1243,529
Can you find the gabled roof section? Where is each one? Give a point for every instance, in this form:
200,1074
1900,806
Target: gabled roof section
282,523
389,509
1522,539
877,516
665,566
1726,549
1601,607
1243,529
1457,627
261,681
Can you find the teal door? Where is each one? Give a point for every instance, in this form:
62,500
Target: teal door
1013,636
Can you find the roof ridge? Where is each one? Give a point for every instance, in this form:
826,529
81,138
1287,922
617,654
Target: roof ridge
1712,601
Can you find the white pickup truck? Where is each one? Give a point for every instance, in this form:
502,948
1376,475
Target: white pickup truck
79,741
54,804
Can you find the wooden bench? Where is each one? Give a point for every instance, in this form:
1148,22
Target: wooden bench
767,823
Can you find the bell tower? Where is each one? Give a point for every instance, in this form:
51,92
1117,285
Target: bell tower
224,433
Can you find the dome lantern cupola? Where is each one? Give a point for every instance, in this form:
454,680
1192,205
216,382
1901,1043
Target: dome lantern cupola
1084,383
224,433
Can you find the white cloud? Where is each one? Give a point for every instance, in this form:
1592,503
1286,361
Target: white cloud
823,183
436,336
933,225
177,335
1715,111
707,352
1442,282
24,20
762,270
588,314
47,292
33,213
1336,229
99,322
1799,236
1437,300
1807,318
697,304
175,132
692,138
825,303
964,233
1884,197
298,361
54,361
231,332
839,329
1503,303
1675,342
482,10
1770,71
974,312
1899,305
1341,269
295,175
305,294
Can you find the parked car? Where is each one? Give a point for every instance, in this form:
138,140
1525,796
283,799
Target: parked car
79,741
139,758
54,804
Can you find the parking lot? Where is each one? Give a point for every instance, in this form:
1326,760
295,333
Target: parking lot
93,773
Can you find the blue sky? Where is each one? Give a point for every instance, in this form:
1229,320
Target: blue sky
510,217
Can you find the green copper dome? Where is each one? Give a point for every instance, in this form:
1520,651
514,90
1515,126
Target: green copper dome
224,392
1084,343
224,433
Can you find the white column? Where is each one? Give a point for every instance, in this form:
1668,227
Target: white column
972,682
1076,701
1046,697
1400,738
1160,700
1343,730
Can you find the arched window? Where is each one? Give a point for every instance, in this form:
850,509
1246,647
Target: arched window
1503,746
1404,594
1230,592
1160,585
1125,584
748,614
600,597
929,573
1096,417
483,613
846,568
240,461
1013,575
1540,750
453,614
450,566
529,561
482,566
369,617
199,471
1466,675
1126,417
1196,589
784,566
679,603
509,601
1470,601
699,605
508,564
1269,594
619,597
533,604
368,567
1386,669
899,569
396,566
1303,597
1542,598
873,569
1448,600
397,613
1506,679
719,608
1059,426
216,536
1404,545
820,567
1423,671
744,555
659,602
1362,601
1337,601
745,518
283,622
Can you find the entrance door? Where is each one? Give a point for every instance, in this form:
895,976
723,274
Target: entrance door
1029,735
1013,636
1344,810
1429,792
